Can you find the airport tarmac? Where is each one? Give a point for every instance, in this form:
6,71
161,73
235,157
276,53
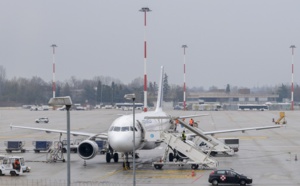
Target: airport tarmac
270,157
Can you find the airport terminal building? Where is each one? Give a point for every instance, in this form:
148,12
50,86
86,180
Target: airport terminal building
231,101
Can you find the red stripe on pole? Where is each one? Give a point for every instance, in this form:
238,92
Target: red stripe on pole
145,82
53,86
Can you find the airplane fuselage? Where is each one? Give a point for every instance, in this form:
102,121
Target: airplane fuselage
120,134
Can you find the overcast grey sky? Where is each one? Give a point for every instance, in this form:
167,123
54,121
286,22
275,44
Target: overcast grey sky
243,43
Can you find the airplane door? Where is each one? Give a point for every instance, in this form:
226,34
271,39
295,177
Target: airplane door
141,127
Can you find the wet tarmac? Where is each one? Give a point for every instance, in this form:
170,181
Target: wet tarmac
270,157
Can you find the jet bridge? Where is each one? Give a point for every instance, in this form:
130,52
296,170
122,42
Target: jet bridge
185,152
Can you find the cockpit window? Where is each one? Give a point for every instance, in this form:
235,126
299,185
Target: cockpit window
125,129
131,128
111,128
117,128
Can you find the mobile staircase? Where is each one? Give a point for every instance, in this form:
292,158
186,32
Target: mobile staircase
184,152
214,145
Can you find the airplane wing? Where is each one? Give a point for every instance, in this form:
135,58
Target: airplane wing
240,130
178,117
229,130
74,133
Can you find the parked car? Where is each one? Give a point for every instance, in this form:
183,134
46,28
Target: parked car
228,176
42,120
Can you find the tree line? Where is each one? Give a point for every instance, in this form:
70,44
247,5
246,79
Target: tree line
106,90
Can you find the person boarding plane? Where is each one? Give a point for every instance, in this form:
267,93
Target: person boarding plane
120,133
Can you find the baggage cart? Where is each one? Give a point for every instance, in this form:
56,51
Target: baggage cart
14,146
41,146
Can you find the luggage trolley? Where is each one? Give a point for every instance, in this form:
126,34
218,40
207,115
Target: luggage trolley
41,146
14,146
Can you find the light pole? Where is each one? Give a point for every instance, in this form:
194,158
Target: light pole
292,88
53,70
132,97
145,10
184,86
101,95
68,103
96,88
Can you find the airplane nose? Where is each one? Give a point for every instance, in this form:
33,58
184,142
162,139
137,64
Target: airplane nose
121,143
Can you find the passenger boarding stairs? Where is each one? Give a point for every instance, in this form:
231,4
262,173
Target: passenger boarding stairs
214,145
194,156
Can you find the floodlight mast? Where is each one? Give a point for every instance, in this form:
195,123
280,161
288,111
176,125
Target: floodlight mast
145,10
292,87
184,86
53,70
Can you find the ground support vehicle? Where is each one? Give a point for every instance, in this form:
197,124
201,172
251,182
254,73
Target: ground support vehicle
41,146
7,166
73,145
102,146
14,146
228,176
42,120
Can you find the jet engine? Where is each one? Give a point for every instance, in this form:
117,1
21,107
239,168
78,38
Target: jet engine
88,149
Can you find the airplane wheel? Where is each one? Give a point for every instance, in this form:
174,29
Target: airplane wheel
158,166
194,166
213,153
116,157
108,157
171,157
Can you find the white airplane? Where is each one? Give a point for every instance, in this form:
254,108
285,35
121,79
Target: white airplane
120,134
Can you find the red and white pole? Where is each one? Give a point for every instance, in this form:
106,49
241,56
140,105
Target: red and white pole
145,10
53,70
292,87
184,86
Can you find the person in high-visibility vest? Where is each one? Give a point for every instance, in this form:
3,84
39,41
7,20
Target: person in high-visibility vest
176,123
191,122
183,136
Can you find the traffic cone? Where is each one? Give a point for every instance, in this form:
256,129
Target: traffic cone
193,173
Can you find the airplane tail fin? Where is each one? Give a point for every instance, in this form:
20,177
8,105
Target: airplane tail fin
160,91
